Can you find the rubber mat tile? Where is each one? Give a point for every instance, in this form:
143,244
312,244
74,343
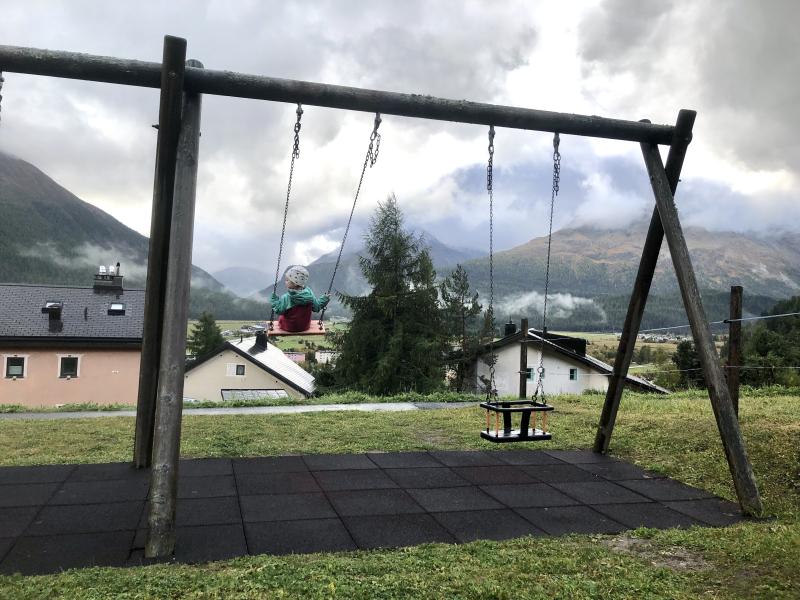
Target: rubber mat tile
286,507
53,553
426,478
211,542
599,492
26,494
86,518
454,499
14,521
580,456
394,531
561,473
98,492
365,479
527,457
108,471
526,495
207,511
501,524
617,471
652,514
468,458
338,462
493,475
287,537
667,490
373,502
206,487
712,511
250,484
561,520
205,467
35,474
269,464
403,460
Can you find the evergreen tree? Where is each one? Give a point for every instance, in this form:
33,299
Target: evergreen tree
205,336
773,347
395,341
460,310
688,362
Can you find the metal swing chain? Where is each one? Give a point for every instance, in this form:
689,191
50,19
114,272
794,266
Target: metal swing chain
2,79
539,392
491,391
369,160
295,156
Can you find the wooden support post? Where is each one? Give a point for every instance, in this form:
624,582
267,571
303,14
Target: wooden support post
169,121
523,360
166,447
743,479
735,346
641,287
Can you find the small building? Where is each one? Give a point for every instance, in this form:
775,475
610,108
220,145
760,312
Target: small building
67,345
248,369
567,367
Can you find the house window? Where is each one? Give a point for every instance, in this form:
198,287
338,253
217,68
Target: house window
15,367
573,374
530,373
69,367
116,308
234,370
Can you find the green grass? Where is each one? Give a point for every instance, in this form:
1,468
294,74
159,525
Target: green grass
675,435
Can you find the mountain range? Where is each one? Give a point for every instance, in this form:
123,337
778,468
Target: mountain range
48,235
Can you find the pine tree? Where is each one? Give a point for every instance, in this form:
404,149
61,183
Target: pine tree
395,341
460,310
688,363
205,336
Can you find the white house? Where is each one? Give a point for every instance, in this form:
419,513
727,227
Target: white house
247,369
567,367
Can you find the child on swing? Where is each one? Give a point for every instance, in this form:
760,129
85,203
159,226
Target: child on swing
296,305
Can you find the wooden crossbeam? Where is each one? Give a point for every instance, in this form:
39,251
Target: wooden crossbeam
73,65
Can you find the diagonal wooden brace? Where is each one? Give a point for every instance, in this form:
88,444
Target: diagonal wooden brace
743,479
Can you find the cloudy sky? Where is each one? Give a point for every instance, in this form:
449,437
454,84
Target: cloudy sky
734,61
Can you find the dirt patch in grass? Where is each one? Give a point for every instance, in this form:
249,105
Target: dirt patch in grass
670,557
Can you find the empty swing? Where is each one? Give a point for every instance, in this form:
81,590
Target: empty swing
530,429
318,328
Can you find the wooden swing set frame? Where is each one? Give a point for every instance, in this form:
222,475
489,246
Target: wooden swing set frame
182,84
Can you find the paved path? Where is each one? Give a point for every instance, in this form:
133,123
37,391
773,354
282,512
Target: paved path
244,410
62,516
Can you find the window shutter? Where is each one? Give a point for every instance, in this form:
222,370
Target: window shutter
230,370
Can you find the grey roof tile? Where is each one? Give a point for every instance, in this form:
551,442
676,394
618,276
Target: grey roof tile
84,315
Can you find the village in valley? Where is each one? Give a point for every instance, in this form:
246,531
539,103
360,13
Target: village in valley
400,300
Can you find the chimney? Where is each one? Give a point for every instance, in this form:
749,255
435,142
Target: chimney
510,328
53,309
108,279
261,341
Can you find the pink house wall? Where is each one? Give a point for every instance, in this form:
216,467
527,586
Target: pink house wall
104,377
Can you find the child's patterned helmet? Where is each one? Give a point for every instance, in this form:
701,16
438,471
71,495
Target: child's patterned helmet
297,275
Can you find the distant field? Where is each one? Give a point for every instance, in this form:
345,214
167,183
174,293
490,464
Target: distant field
609,341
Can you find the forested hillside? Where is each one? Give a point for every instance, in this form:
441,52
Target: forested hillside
48,235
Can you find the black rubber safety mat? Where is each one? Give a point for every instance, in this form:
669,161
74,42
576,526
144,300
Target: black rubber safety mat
56,517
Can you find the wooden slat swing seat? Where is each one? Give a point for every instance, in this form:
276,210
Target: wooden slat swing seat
316,328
